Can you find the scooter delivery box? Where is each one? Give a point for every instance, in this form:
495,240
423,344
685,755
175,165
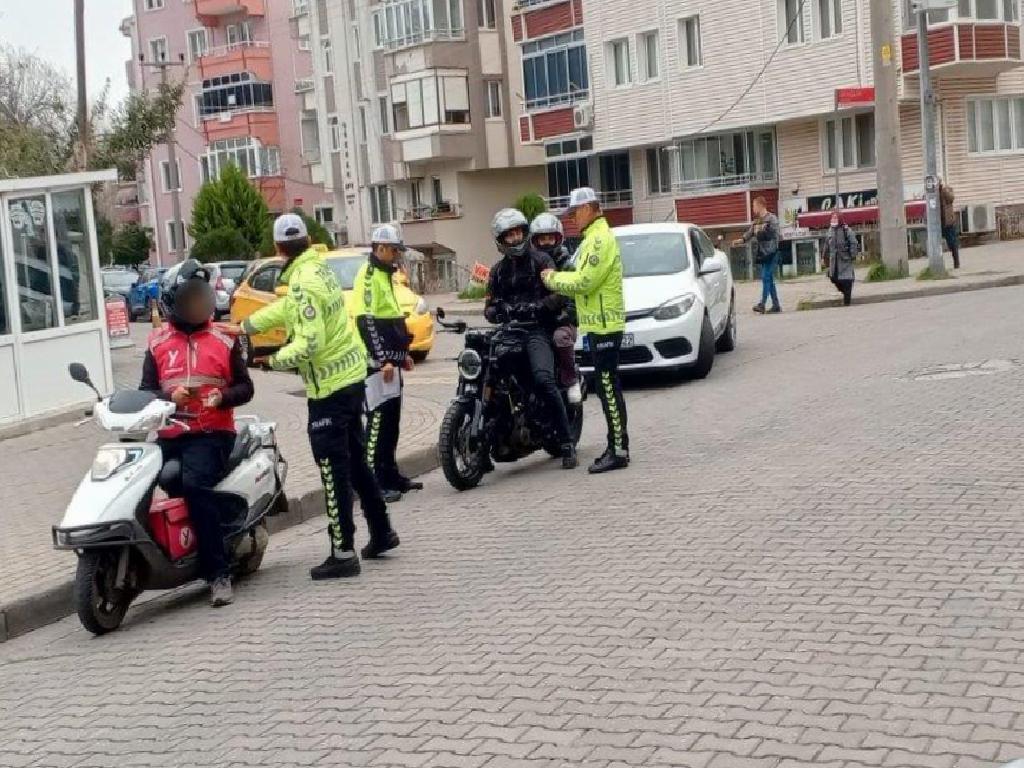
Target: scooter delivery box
172,528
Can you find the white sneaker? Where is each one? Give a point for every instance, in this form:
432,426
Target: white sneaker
575,394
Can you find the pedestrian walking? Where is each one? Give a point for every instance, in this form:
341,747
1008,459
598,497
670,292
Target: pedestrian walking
950,222
841,249
596,285
329,355
381,324
765,230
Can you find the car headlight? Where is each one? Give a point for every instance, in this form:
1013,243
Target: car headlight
422,307
110,461
470,364
674,308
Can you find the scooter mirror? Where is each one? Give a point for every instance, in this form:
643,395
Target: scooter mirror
440,313
79,373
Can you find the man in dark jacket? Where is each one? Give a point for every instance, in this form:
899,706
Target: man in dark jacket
841,249
515,292
765,232
950,222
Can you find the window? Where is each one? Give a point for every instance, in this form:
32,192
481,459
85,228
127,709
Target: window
34,274
615,172
175,236
435,188
381,204
385,121
727,159
154,5
566,175
430,100
357,45
246,152
362,125
493,98
5,317
266,279
828,18
167,183
74,258
239,34
328,52
158,49
555,70
309,132
232,93
198,44
304,43
411,22
691,52
995,125
324,214
620,71
851,141
659,171
791,21
300,7
649,56
486,17
980,10
335,127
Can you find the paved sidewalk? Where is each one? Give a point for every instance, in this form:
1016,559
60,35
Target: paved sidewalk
40,471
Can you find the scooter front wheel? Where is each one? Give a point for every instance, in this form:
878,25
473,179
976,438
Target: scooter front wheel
100,603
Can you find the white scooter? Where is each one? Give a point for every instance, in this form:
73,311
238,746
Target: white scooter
128,523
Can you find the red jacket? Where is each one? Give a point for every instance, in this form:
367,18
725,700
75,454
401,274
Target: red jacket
200,361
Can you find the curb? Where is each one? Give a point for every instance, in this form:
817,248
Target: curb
938,289
35,611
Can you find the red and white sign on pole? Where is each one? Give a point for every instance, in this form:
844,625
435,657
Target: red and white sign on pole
851,98
118,322
481,273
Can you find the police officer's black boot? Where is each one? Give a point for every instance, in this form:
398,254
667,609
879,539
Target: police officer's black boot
609,461
381,543
339,565
569,460
405,485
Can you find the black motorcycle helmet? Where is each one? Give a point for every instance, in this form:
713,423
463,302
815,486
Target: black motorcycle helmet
189,302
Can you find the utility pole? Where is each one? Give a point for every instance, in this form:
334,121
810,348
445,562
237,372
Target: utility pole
936,264
170,143
892,217
83,106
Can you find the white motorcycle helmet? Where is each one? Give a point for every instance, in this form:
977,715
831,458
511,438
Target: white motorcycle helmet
505,221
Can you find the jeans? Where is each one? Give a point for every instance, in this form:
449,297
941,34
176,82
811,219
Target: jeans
336,438
382,429
204,460
952,235
605,350
768,269
542,364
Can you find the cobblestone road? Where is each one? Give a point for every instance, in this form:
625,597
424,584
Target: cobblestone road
814,560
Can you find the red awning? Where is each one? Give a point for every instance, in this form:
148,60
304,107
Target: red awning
915,209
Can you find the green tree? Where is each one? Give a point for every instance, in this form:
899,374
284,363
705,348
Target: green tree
232,202
131,245
135,127
222,244
317,232
531,205
104,238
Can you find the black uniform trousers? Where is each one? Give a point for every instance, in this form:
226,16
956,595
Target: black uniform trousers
383,425
605,349
542,363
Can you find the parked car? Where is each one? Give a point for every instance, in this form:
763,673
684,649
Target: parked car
259,288
121,282
146,291
231,273
680,300
222,297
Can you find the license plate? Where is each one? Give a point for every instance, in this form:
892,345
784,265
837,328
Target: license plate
627,342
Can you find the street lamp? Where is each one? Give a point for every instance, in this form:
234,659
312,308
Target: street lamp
931,180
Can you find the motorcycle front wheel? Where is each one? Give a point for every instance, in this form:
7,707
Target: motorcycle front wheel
461,464
100,604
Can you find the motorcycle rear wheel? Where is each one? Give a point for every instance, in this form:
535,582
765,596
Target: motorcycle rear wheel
461,466
101,607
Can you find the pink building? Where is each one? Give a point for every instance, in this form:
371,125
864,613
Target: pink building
249,100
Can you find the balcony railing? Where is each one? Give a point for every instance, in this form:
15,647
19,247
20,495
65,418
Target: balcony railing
560,99
224,50
442,210
304,85
725,182
616,199
520,5
424,36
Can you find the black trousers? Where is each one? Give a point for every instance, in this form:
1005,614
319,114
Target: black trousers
204,460
952,235
605,350
542,363
382,430
336,438
845,287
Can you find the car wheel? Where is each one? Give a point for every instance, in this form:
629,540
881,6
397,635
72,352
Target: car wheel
706,352
727,341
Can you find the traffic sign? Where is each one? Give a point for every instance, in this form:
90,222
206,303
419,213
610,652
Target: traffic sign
855,97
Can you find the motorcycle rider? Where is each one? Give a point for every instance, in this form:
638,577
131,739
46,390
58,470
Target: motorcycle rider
515,292
597,286
547,235
330,357
381,323
201,370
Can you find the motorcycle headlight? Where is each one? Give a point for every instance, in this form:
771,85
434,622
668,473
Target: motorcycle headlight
674,308
421,307
110,461
470,364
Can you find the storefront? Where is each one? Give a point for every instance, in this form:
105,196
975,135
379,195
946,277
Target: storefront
51,309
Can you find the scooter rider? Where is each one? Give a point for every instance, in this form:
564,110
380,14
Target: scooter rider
203,372
330,357
515,292
547,235
381,323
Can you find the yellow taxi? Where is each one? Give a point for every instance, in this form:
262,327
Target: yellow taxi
259,288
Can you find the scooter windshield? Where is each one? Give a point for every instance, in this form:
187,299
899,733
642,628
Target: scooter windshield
129,401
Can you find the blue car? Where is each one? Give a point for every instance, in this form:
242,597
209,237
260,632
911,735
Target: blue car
146,291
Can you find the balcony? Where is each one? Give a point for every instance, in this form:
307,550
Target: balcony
442,210
622,198
211,12
258,122
253,57
430,227
966,49
441,142
740,181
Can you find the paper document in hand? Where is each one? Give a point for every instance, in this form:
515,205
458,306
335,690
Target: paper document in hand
378,391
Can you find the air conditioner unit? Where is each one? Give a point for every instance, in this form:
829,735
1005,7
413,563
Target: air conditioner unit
977,219
583,117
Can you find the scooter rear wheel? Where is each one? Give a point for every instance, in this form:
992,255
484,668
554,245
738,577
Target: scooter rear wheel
101,606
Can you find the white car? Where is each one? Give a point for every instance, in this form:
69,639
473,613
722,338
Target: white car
680,300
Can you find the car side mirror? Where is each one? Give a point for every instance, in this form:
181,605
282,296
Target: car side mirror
440,313
710,268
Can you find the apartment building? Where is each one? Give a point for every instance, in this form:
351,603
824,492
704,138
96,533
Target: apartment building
249,100
418,100
688,109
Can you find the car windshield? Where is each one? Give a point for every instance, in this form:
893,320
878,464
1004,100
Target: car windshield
119,281
232,271
655,253
345,269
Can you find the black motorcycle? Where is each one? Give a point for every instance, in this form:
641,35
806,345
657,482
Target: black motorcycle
496,414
